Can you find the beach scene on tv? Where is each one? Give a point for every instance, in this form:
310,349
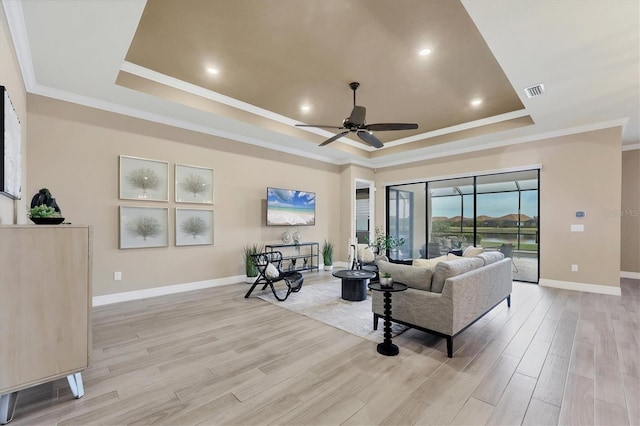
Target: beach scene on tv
290,207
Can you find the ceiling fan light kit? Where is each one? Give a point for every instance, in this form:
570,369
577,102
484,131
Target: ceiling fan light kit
356,123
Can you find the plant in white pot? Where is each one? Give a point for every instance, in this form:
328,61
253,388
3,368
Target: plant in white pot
386,280
250,267
327,255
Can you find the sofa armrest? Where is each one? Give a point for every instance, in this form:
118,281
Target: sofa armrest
422,308
474,293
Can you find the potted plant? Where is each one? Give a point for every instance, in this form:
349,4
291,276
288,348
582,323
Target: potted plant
250,267
387,242
327,255
386,280
45,215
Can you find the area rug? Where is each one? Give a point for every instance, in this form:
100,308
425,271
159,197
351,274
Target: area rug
323,302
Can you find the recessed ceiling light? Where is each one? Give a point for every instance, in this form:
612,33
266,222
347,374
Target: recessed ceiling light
476,102
424,52
212,70
305,108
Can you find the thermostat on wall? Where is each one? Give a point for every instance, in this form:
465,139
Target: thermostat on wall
581,213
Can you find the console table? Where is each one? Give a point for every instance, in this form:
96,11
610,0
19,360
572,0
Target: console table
45,308
387,347
309,252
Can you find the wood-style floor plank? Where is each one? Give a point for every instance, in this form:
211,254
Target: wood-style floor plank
212,357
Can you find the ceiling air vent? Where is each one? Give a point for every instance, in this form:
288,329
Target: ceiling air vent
536,90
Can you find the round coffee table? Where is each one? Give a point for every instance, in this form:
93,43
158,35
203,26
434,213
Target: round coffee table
354,283
387,347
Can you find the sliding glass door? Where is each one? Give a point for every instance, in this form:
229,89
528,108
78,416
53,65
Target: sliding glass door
507,219
497,212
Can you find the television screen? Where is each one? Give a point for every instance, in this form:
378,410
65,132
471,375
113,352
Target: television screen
290,207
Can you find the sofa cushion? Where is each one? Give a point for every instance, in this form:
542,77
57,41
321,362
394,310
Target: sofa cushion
445,270
472,251
490,257
417,277
431,263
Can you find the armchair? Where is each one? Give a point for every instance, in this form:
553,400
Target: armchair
269,267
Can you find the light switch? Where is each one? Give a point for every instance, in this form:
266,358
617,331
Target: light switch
577,228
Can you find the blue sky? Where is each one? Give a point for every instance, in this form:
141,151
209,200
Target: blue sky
291,198
494,205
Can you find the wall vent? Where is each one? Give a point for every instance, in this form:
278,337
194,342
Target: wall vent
535,90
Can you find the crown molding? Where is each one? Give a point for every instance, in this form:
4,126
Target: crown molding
18,31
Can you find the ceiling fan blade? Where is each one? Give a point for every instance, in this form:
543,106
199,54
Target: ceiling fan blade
369,138
390,126
319,126
357,115
334,138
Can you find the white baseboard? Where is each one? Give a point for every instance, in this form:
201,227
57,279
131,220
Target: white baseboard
632,275
589,288
108,299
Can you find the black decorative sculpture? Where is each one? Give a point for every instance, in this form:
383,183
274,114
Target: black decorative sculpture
43,197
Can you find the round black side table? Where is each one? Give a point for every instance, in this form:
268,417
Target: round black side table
386,347
354,283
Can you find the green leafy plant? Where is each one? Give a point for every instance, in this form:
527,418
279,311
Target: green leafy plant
327,253
385,275
387,242
441,227
250,267
43,211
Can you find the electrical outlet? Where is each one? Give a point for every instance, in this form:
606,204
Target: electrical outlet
574,268
117,276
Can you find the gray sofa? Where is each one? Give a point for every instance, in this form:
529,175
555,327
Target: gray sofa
448,298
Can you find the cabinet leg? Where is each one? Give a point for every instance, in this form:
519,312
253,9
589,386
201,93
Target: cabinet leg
75,383
7,407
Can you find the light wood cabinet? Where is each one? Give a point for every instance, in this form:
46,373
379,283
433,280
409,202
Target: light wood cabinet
45,305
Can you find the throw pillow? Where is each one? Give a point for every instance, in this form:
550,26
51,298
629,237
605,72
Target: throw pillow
472,251
490,257
366,255
429,263
417,277
271,272
446,270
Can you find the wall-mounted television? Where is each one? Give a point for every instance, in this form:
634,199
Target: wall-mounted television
289,207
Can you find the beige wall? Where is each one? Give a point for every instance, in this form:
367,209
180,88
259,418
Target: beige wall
11,78
579,172
630,212
74,152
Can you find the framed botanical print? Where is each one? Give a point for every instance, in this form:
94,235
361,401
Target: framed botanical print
142,227
194,184
194,227
144,180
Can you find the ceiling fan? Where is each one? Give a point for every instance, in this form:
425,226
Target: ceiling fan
356,123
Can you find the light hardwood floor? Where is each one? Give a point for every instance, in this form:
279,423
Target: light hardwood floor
213,357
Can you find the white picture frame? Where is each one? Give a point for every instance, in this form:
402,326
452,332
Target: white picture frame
194,227
10,149
144,227
143,179
194,184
